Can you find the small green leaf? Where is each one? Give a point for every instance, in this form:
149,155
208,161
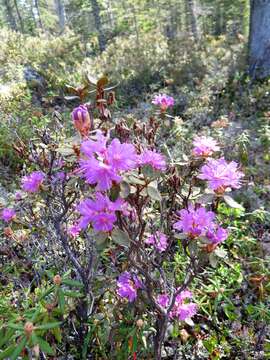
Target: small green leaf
72,294
19,348
6,353
221,253
61,300
34,338
124,189
48,326
153,193
45,347
6,336
180,236
46,293
135,180
71,283
232,203
86,344
120,237
100,238
213,259
15,326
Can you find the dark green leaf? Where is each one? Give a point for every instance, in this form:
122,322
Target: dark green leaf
120,237
48,326
72,283
45,347
19,348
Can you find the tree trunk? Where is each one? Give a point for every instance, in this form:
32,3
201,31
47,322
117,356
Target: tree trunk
96,14
37,13
9,14
60,9
161,327
259,39
191,18
19,15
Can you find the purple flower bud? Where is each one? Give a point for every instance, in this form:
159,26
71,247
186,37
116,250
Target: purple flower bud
81,119
8,214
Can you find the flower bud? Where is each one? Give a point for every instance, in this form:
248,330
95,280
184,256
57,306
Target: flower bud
111,98
81,119
184,335
139,323
28,328
8,231
36,351
57,280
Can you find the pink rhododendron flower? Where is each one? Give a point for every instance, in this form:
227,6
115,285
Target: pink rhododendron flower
127,286
221,174
59,176
182,310
8,214
195,222
163,101
218,235
74,230
18,196
32,182
158,240
156,160
100,173
204,146
121,156
99,212
103,164
97,146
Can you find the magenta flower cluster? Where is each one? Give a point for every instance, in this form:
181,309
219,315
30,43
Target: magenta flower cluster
221,174
8,214
154,159
74,230
127,286
182,309
103,164
32,182
204,146
158,240
101,212
200,222
163,101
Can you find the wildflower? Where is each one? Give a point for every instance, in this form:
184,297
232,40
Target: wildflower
128,285
81,119
100,173
18,196
98,146
216,236
59,176
221,174
182,310
156,160
163,101
99,212
121,156
8,214
195,222
103,164
32,182
158,240
74,230
204,146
